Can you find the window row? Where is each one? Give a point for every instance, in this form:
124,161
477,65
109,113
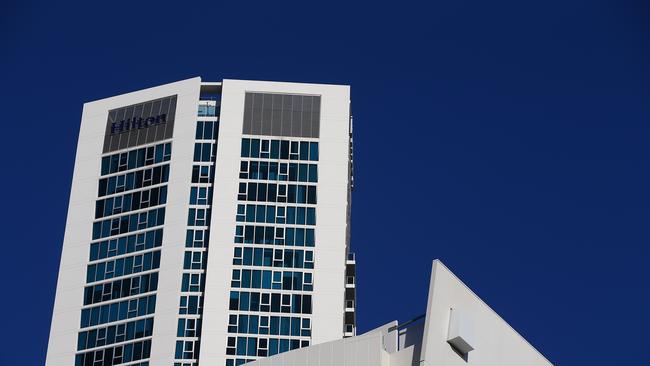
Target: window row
121,288
193,282
187,350
292,172
115,334
122,310
269,325
200,196
134,180
126,244
205,151
262,347
116,355
191,304
123,266
128,223
271,192
136,158
207,130
203,174
270,235
197,238
188,328
279,149
231,362
131,202
207,110
276,215
276,280
268,257
270,302
198,217
195,259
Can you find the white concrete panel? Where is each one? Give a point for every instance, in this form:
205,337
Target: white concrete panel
495,342
365,350
404,357
329,253
78,233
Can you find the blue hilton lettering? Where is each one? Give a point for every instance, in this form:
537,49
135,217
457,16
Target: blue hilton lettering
137,123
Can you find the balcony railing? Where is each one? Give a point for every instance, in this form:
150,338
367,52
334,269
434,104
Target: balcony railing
349,304
208,110
349,329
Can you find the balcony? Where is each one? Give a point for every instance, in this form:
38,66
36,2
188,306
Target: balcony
349,306
351,259
208,108
348,330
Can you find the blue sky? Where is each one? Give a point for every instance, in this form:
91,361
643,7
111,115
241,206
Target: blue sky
507,138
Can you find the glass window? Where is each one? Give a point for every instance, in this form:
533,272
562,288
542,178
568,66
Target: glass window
313,151
255,148
313,173
304,150
245,148
275,149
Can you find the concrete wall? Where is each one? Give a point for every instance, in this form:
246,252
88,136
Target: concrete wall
495,343
81,211
330,231
364,350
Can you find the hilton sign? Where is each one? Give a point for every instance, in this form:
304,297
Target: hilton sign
137,123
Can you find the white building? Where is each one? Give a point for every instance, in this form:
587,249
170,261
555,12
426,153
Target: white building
259,170
457,329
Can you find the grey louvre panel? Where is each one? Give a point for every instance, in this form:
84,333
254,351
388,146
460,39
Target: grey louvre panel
256,121
315,115
159,134
307,107
296,115
248,112
275,114
267,114
285,123
171,111
139,124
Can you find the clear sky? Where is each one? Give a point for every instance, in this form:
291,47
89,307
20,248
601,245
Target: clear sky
507,138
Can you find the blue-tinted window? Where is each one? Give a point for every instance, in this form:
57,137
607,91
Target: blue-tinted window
136,158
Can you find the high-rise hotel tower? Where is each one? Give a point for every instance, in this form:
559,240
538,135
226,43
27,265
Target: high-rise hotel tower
208,224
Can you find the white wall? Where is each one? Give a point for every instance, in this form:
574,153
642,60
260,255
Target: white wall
364,350
329,253
78,233
495,342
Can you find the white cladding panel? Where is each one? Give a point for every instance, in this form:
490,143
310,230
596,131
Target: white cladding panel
331,224
81,211
495,343
365,350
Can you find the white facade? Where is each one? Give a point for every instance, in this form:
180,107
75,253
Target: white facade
429,340
333,185
327,315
